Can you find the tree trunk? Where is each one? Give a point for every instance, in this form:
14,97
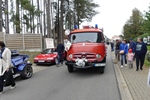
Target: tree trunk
44,2
48,18
58,31
33,19
74,13
61,21
6,17
38,19
17,17
1,16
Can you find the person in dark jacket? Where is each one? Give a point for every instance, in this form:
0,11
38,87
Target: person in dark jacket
117,49
132,45
140,52
112,46
60,50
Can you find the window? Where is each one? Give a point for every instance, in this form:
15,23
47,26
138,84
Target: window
46,51
86,37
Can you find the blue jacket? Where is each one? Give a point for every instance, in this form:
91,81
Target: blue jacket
132,46
140,48
124,47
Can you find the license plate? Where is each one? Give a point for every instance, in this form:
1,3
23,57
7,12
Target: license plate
41,61
100,64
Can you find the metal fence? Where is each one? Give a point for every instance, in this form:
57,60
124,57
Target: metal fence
22,42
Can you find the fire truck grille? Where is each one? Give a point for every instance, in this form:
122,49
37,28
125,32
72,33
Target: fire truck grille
88,56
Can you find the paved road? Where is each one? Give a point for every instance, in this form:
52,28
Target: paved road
56,83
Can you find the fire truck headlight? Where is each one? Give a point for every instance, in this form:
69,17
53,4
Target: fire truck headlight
70,56
98,56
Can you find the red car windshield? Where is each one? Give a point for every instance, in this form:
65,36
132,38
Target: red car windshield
47,51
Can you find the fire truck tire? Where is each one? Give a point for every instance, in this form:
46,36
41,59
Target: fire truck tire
101,70
70,69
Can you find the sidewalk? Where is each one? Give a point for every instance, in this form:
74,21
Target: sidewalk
136,81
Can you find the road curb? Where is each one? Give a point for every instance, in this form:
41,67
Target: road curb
123,88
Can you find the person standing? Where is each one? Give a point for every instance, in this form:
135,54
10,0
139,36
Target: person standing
123,52
117,49
130,56
60,50
112,46
132,46
140,52
5,63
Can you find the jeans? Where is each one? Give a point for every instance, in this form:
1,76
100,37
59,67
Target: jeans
123,56
60,58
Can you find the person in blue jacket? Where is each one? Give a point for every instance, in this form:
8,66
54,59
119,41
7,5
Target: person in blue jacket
140,52
123,47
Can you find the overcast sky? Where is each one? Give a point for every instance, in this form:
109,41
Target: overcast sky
114,13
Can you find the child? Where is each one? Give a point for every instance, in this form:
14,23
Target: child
130,57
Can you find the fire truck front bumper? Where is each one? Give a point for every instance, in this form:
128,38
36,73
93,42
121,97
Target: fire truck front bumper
87,64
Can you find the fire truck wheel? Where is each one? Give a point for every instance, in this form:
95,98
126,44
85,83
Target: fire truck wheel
70,69
101,70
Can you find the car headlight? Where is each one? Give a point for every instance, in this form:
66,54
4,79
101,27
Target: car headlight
98,56
49,58
35,58
70,56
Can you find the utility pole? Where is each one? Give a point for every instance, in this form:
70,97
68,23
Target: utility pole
1,16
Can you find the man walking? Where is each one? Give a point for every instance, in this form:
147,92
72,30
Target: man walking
140,52
60,50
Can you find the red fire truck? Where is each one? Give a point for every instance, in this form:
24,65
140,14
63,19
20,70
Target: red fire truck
87,50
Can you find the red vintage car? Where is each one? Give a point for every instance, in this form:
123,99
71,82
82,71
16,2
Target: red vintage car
48,56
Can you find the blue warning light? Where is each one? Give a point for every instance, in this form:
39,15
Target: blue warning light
75,27
96,26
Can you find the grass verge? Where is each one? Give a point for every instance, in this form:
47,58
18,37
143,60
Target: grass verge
146,63
31,55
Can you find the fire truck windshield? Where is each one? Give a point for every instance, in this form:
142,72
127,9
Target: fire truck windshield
86,37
